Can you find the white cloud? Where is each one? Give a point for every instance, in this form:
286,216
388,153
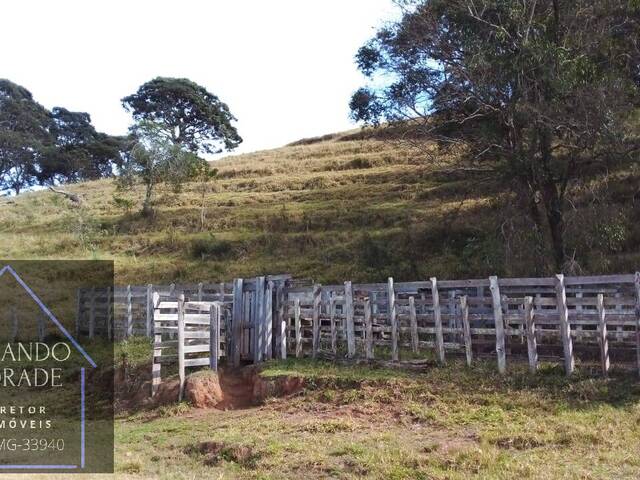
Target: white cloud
285,67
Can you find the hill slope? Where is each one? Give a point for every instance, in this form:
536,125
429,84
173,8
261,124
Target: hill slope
342,206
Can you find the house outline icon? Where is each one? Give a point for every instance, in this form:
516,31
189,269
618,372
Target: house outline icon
78,347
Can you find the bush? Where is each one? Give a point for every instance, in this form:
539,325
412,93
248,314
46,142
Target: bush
212,247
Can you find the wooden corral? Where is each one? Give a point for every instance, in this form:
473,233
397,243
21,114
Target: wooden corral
541,319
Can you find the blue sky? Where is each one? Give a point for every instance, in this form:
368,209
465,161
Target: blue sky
285,67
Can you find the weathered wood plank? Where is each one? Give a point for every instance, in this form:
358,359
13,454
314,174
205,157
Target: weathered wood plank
298,327
317,298
565,328
149,311
334,327
368,330
414,325
499,324
437,316
602,336
466,329
530,332
214,335
181,350
393,319
268,321
236,322
351,334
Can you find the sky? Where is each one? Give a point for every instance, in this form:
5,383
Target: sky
285,67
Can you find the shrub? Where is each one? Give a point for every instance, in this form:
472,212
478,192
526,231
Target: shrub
212,247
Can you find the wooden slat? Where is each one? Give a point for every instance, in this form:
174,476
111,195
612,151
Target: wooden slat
499,324
466,329
565,327
602,336
530,332
438,321
414,325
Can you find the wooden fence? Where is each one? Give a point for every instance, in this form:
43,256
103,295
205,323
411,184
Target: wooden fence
550,319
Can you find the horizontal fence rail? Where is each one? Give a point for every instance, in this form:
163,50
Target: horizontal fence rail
540,319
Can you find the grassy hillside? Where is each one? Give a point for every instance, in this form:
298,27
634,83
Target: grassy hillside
347,205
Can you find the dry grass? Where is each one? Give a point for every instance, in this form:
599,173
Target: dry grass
346,206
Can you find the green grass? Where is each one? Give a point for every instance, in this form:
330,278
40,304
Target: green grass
450,422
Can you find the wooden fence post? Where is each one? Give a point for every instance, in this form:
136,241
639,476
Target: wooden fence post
92,313
283,313
315,342
298,327
530,332
259,322
236,323
414,325
334,327
368,329
636,283
565,328
393,319
129,332
181,370
437,316
351,331
215,314
149,324
200,291
466,329
156,368
268,321
602,335
499,324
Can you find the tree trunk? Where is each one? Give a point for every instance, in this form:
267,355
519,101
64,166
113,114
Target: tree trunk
555,217
147,209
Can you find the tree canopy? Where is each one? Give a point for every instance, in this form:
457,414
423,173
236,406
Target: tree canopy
186,113
539,90
38,146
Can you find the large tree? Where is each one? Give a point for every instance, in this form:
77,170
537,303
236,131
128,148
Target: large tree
24,136
186,114
80,152
539,90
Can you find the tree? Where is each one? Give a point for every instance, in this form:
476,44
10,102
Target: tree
156,159
539,91
79,152
24,135
186,114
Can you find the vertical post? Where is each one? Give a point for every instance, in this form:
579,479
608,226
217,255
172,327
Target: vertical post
332,318
636,283
214,335
221,292
149,324
78,311
414,325
298,327
236,323
284,321
268,321
466,329
92,313
530,332
602,335
565,328
499,323
393,319
157,352
258,323
172,289
317,297
351,331
368,325
437,317
200,291
129,312
181,370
